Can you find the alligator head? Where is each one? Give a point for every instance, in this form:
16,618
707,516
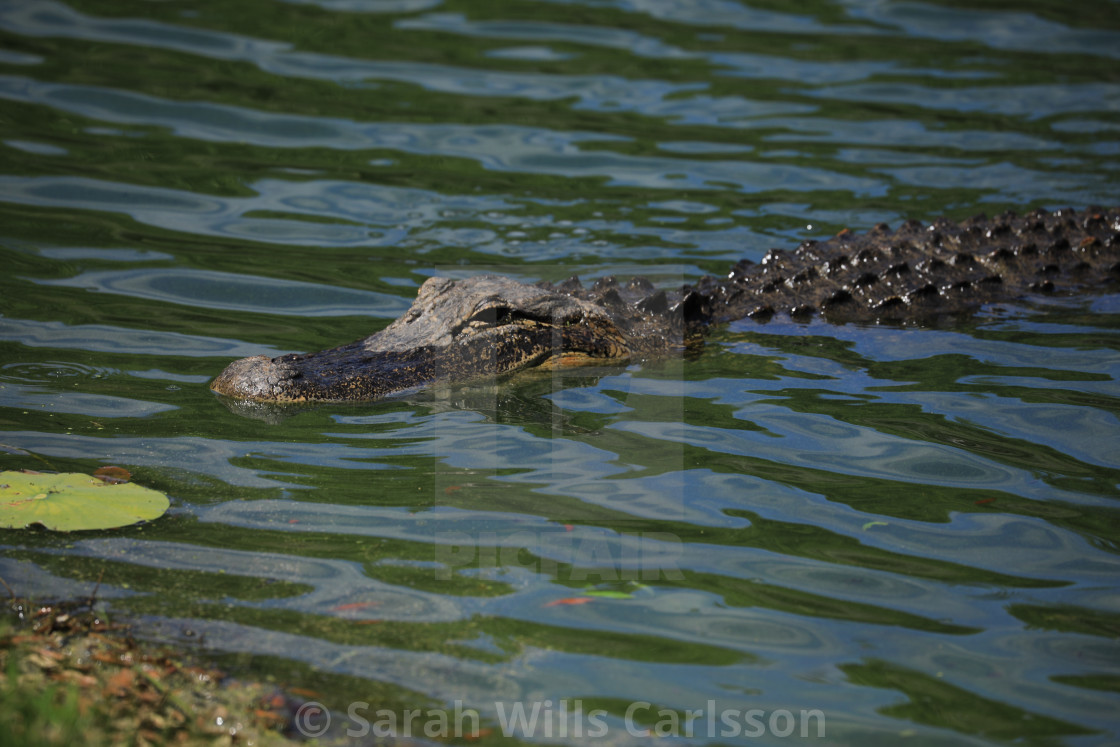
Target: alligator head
455,330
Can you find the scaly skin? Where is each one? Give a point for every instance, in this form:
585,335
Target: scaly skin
457,331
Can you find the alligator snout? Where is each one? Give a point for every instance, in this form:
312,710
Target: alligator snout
258,377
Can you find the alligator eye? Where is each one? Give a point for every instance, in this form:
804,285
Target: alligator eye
492,316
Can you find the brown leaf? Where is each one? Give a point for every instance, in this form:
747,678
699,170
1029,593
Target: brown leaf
120,683
112,475
570,600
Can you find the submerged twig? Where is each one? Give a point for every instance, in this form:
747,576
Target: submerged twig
96,588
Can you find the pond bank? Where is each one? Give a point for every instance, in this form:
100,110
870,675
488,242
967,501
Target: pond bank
70,676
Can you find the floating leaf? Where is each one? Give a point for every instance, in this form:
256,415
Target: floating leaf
872,524
610,594
73,501
612,591
112,474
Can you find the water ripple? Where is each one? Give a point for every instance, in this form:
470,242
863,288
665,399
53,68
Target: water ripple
735,629
49,372
1019,31
104,253
739,64
371,6
446,678
335,583
1031,102
467,541
225,290
599,92
1014,182
598,36
902,133
213,457
498,147
42,149
388,213
726,13
820,442
93,405
103,338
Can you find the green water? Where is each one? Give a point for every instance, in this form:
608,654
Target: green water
843,534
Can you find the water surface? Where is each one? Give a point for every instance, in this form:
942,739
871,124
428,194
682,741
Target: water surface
857,534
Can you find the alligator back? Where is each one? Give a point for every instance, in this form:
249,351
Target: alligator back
919,271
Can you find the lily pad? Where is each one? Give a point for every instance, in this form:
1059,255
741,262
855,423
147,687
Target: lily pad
72,501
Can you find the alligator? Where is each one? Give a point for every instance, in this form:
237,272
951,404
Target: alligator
462,330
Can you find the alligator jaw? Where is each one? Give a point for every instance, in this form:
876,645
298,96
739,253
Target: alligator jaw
342,373
350,373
